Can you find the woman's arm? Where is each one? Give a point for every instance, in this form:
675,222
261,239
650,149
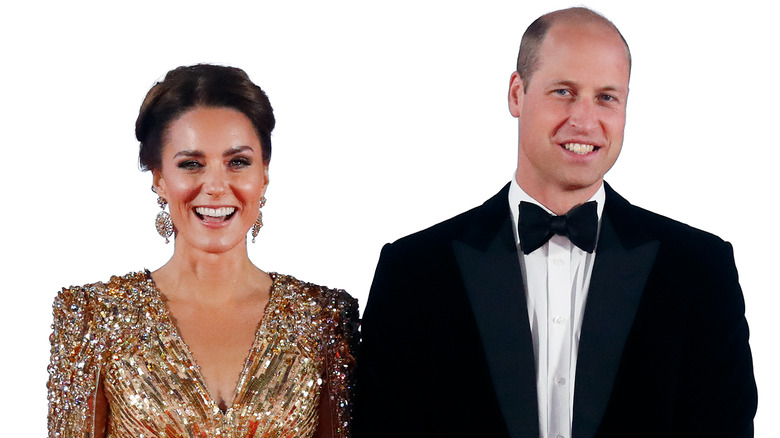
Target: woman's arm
77,403
338,386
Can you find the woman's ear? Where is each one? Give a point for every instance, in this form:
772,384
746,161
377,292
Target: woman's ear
265,177
158,183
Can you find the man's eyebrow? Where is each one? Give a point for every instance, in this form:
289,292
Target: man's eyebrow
574,84
614,88
564,82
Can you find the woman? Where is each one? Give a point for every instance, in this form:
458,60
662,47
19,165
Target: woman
208,345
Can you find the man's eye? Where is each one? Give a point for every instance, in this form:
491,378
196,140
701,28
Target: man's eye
562,92
189,165
608,98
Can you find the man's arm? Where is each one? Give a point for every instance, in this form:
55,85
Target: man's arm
721,397
389,366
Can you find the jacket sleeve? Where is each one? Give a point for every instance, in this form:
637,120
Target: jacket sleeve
74,369
721,397
391,359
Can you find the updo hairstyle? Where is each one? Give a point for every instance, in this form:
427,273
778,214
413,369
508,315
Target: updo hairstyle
188,87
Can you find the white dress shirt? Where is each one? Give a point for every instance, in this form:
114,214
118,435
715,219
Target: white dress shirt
557,278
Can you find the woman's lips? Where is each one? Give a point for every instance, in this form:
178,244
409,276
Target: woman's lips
212,215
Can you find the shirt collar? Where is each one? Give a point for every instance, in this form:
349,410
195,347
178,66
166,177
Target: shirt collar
517,194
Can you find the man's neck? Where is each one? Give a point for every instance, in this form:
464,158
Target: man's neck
557,199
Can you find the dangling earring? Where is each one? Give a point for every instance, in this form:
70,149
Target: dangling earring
259,221
163,222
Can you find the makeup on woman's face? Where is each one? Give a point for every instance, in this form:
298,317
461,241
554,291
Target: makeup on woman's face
212,175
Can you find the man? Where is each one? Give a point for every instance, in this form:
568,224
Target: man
481,326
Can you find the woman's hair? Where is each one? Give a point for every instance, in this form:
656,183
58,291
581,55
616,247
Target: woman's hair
201,85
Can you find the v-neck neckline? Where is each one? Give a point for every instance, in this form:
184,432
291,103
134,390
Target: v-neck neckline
165,312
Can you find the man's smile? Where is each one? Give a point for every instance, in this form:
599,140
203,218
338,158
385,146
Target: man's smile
579,148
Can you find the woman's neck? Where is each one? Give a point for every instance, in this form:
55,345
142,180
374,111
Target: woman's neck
210,278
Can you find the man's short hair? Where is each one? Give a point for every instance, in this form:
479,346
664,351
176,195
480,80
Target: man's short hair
528,56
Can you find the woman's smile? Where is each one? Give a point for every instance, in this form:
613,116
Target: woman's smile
215,217
213,177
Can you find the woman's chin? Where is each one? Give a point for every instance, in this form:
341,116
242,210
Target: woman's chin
211,244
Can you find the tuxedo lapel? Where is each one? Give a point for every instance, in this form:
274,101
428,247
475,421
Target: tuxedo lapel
624,259
490,270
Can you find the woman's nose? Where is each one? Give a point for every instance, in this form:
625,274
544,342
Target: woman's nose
215,182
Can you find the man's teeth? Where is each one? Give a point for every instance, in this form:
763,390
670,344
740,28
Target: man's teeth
578,148
215,212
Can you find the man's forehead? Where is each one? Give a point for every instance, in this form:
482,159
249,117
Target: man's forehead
582,65
594,31
583,43
586,34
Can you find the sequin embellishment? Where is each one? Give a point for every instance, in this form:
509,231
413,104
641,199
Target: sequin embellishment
122,333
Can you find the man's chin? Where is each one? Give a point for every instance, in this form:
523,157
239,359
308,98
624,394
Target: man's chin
582,184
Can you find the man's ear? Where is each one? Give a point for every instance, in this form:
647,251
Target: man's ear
516,94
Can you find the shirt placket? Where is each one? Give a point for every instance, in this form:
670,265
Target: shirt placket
559,335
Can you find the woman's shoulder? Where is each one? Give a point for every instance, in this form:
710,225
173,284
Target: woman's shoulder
335,307
124,291
90,321
305,291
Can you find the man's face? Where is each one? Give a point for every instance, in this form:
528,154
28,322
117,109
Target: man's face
572,115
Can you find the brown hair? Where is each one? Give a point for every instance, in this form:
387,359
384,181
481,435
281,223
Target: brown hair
528,55
185,88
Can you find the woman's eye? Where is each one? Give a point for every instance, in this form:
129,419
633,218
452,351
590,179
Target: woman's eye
189,165
240,162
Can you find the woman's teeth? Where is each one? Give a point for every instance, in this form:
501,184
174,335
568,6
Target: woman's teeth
578,148
220,212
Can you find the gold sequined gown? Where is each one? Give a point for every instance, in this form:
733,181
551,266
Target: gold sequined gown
121,334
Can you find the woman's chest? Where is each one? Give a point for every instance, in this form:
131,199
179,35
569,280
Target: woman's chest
156,388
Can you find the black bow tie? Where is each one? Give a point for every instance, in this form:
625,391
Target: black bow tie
536,226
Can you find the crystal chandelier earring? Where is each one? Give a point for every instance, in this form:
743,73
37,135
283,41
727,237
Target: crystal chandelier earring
259,221
163,222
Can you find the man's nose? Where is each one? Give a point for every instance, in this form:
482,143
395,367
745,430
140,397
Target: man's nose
584,115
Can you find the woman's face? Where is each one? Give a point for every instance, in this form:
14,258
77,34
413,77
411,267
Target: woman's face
213,176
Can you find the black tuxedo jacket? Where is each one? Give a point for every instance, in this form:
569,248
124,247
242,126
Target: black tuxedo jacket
447,348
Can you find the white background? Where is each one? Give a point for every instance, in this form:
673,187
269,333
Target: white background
391,116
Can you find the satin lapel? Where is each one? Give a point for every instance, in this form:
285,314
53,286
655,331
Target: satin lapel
490,269
623,263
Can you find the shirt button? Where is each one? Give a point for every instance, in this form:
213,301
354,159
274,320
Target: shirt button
560,380
559,320
558,261
559,436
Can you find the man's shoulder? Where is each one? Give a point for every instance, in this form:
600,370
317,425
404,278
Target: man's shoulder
437,235
454,228
670,232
